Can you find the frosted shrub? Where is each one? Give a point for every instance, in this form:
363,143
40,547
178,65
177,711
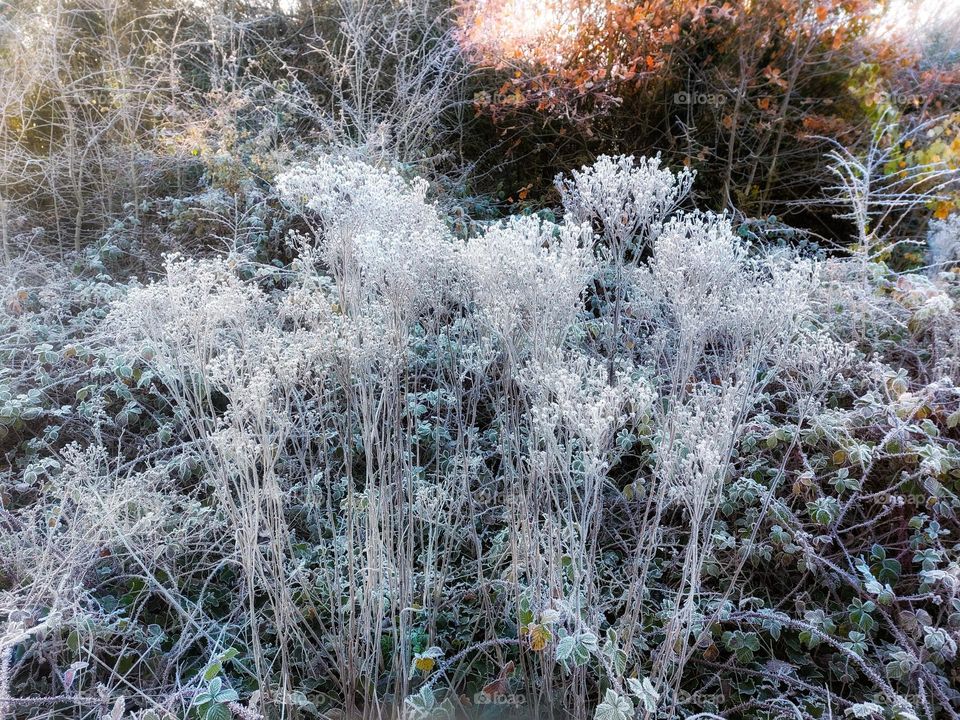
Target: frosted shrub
693,465
207,332
383,242
198,311
606,464
702,287
628,199
94,510
714,320
570,396
353,197
704,428
409,272
528,277
697,270
813,363
572,420
779,300
928,300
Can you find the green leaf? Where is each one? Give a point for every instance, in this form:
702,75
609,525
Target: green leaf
227,696
565,648
614,707
644,691
217,711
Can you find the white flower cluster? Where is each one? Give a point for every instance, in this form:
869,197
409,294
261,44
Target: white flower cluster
702,282
381,239
570,394
528,276
695,451
629,199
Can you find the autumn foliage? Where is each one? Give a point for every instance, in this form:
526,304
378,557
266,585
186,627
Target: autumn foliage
745,91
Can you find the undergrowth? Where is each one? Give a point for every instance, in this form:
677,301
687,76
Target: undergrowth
377,458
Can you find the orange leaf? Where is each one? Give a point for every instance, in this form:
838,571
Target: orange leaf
943,210
539,637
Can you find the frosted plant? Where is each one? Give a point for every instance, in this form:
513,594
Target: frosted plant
778,298
848,301
880,202
207,331
939,305
570,395
90,510
693,462
696,269
702,287
629,201
718,321
314,306
815,361
528,276
353,196
943,242
573,417
695,459
309,301
197,311
403,411
384,243
409,271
